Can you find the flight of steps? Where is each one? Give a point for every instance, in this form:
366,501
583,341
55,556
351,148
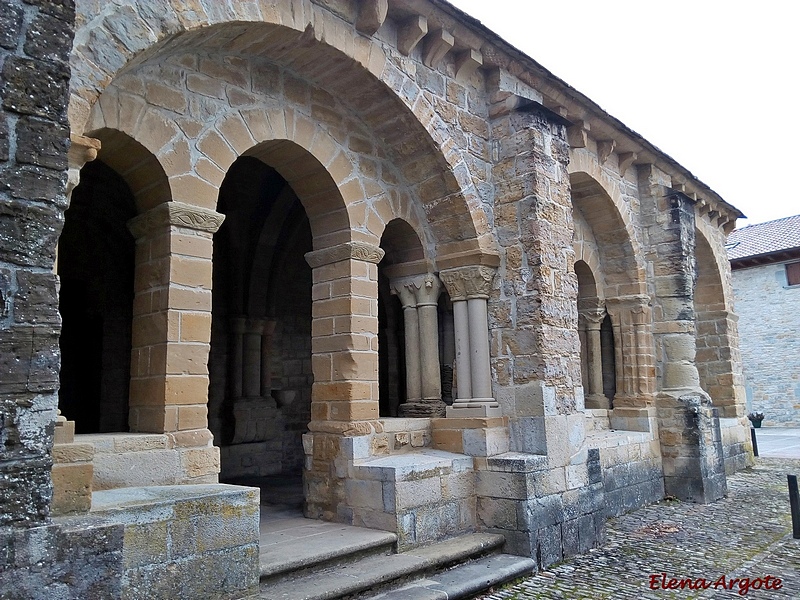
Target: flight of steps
350,562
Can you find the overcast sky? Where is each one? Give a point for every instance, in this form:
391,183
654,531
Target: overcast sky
712,83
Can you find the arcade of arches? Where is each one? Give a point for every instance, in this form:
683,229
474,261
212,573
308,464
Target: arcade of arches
377,253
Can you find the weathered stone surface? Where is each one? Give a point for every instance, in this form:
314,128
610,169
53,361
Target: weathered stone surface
37,88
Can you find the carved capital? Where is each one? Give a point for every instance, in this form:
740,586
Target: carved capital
176,214
592,317
468,282
420,290
349,250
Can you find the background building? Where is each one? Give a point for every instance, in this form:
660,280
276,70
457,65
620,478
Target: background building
765,265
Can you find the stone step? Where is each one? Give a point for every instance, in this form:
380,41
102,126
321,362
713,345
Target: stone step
463,581
374,573
291,547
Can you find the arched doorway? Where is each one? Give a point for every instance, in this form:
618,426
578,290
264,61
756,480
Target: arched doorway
96,269
260,362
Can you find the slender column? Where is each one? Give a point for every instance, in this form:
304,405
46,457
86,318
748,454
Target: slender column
238,326
266,358
411,326
251,358
479,348
463,369
592,319
428,313
448,357
469,290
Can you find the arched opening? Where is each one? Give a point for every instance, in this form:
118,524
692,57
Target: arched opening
412,313
260,361
597,341
96,261
714,326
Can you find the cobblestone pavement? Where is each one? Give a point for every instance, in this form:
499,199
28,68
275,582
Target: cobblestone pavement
746,535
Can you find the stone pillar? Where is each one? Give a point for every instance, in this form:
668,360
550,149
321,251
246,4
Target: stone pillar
689,429
251,358
419,296
344,344
413,362
469,289
266,358
463,369
238,327
344,355
592,319
171,317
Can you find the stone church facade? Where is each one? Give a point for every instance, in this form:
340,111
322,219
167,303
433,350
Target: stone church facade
366,242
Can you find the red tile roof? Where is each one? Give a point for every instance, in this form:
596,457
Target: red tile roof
764,238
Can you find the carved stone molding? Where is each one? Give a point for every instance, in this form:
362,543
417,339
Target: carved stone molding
176,214
468,282
349,250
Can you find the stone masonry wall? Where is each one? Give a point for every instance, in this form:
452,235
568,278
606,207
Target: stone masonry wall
35,39
770,346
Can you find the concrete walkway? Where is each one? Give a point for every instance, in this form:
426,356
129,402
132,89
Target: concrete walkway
744,536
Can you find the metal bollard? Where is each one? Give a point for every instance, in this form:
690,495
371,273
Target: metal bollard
755,441
794,502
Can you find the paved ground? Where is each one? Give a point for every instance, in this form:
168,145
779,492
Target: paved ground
778,442
746,535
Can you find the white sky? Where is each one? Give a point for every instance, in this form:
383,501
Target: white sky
712,83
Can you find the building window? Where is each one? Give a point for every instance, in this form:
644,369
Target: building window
793,273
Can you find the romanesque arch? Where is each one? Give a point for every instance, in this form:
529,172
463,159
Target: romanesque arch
314,46
718,359
605,236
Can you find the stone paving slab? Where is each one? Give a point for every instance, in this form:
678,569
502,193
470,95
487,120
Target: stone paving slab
746,535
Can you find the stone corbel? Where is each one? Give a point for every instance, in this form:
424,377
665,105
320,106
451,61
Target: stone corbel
467,63
411,33
578,134
371,15
437,45
604,150
626,159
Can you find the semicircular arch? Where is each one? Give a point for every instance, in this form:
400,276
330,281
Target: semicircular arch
318,46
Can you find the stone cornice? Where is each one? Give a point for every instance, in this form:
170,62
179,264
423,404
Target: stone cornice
465,283
177,214
349,250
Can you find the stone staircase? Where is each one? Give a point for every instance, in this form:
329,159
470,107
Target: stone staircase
303,559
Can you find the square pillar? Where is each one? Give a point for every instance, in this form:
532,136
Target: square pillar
171,318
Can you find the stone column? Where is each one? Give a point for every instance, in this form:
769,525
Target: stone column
634,350
238,327
408,301
469,289
251,358
592,320
266,358
171,317
419,295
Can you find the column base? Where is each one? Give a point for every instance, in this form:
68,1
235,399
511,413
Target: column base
476,407
597,401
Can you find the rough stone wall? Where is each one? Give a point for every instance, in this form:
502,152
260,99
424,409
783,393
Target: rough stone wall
546,496
770,346
35,40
